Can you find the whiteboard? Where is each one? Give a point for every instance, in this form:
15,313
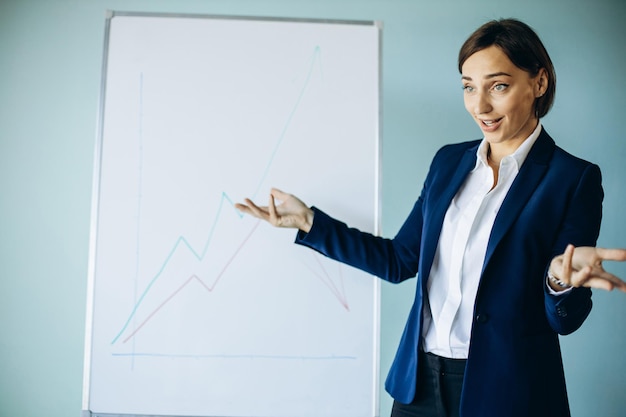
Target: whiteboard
193,308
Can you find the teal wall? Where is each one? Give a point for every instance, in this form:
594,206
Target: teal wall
50,72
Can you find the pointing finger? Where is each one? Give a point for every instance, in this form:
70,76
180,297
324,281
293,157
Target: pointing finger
253,209
567,264
611,254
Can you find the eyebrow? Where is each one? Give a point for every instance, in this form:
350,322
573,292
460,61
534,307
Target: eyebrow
488,76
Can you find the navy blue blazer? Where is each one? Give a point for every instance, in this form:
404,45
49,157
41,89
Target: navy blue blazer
514,367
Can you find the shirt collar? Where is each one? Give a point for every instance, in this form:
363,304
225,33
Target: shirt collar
520,154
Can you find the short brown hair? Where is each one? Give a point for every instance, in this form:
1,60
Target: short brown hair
522,46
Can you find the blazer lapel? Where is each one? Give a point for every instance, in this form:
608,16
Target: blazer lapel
523,187
444,193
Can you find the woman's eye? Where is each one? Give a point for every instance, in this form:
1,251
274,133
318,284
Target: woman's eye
468,88
500,87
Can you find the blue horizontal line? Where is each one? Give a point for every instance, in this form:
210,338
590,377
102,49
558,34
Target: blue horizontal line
191,356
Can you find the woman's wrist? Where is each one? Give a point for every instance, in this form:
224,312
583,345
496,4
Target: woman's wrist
555,281
307,222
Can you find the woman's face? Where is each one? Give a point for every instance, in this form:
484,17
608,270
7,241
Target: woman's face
501,97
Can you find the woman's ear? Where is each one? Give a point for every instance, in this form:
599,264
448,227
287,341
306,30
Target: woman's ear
541,83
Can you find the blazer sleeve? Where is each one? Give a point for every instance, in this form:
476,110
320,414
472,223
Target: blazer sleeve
393,260
581,227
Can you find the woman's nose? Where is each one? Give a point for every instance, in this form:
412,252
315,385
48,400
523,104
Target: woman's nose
482,103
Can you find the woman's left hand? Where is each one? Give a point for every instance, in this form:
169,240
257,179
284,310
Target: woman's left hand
582,267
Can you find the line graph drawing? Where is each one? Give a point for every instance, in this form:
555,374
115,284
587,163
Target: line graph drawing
334,281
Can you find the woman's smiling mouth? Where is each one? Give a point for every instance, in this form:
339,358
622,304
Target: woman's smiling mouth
490,124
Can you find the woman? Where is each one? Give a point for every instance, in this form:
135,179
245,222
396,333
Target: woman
502,241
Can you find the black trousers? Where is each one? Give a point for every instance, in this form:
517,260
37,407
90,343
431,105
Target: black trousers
438,392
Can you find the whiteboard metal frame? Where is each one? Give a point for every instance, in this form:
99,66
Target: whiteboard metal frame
109,15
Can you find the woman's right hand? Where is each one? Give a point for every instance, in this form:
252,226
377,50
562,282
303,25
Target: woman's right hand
291,212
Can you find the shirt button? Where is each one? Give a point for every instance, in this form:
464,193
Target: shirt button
482,318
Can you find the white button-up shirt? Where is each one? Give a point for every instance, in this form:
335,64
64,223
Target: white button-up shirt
455,273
